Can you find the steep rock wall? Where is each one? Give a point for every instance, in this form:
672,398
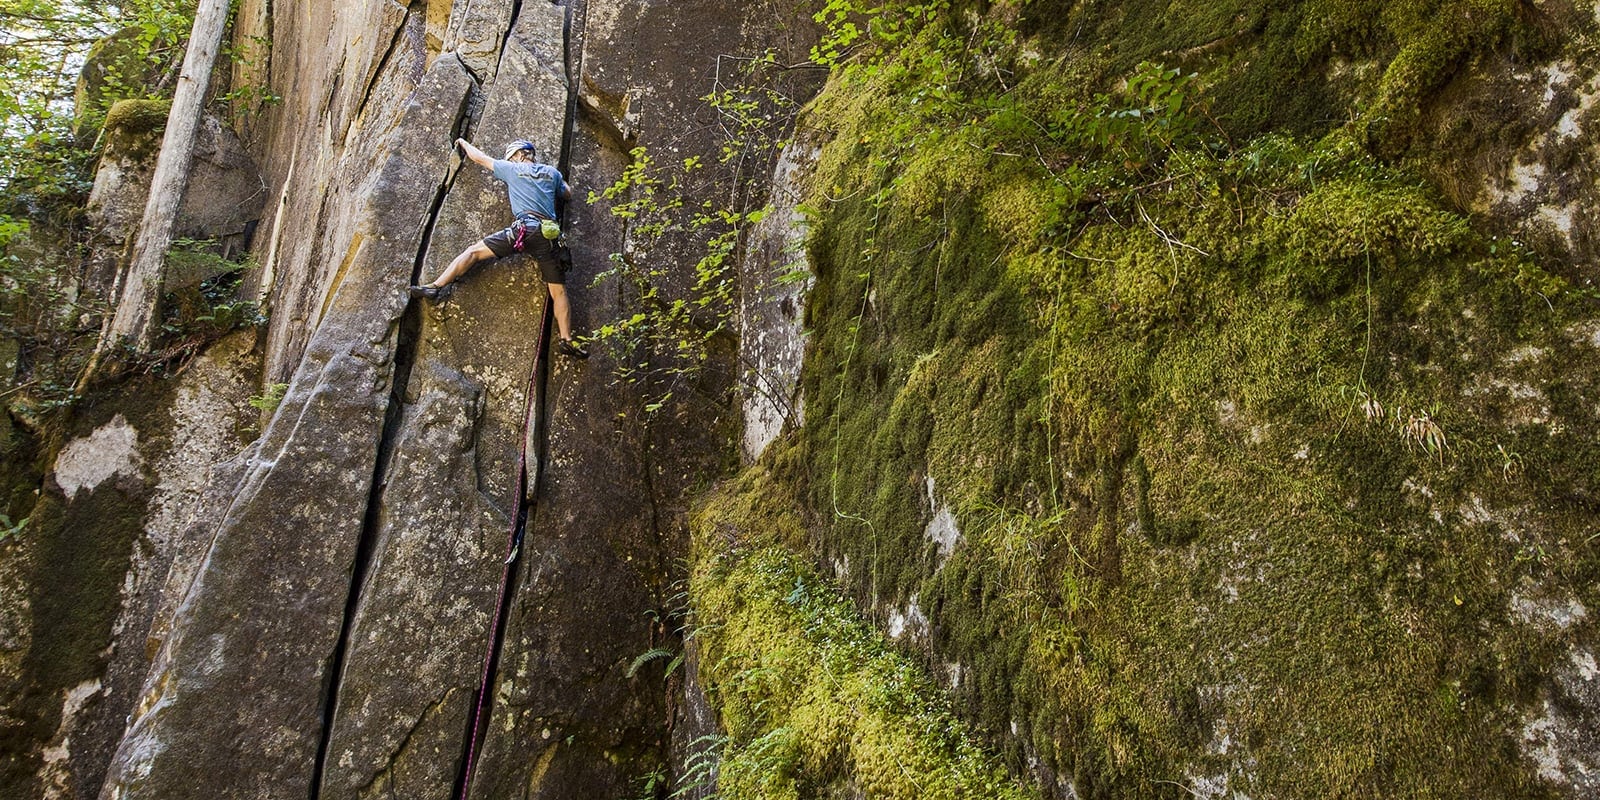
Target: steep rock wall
234,702
473,353
607,534
992,483
84,579
344,73
325,626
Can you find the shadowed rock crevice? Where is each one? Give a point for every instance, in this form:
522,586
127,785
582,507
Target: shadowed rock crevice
234,703
406,31
404,359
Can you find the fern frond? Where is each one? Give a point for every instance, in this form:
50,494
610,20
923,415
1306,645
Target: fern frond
647,657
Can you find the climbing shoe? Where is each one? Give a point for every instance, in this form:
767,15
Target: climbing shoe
430,292
567,348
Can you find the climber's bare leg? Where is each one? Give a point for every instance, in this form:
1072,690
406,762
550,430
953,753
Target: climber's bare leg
558,296
462,263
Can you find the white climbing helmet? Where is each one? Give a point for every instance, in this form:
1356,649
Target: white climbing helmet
519,146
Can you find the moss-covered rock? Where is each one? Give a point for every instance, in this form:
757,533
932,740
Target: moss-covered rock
814,702
133,129
1256,443
118,67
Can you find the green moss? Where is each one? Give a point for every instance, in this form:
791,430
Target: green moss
1184,341
1219,372
133,127
78,553
138,116
1304,68
116,67
1251,436
814,701
73,561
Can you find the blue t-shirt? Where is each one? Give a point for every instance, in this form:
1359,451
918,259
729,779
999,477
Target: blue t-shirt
533,187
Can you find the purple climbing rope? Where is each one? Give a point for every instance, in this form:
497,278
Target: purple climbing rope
480,705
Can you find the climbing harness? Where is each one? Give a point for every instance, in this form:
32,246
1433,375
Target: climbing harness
548,228
522,228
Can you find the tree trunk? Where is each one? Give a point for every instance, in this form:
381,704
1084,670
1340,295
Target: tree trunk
135,318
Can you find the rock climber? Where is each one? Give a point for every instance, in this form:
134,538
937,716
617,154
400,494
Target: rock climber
533,188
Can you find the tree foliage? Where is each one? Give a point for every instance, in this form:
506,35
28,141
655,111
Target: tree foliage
45,163
137,314
63,63
694,210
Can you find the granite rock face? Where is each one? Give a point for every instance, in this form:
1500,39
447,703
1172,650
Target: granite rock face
224,196
774,279
594,587
234,702
81,582
223,202
416,637
326,625
446,508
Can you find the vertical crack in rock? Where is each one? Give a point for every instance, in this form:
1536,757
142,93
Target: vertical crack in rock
483,703
534,441
406,30
572,55
511,28
239,692
463,123
479,35
405,356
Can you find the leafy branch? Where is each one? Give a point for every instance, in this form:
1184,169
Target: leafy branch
697,210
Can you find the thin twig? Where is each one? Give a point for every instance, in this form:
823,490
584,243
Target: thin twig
1168,179
19,387
992,152
1089,258
1169,238
1184,787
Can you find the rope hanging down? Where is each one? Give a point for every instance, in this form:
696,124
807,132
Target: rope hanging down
519,520
480,706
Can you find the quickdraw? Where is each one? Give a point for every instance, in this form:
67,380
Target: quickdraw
522,230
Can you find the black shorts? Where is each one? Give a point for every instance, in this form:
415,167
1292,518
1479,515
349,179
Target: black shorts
552,268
